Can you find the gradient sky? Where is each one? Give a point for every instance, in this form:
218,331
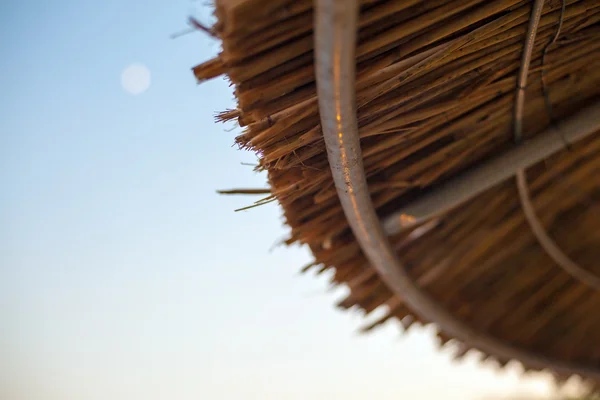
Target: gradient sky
123,275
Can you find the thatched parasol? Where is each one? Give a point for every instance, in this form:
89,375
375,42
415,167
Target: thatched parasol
441,156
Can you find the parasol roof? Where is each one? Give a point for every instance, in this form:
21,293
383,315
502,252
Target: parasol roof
479,197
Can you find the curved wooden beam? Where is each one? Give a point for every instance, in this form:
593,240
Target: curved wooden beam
335,42
550,246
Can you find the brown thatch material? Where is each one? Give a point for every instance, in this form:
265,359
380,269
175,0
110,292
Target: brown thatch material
435,91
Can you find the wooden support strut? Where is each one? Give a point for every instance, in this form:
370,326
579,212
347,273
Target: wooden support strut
468,185
335,46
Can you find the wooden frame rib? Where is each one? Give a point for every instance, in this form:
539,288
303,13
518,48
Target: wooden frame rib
335,49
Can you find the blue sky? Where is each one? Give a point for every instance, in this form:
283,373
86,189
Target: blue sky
123,275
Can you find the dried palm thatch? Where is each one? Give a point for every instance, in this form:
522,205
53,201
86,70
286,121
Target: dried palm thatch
435,93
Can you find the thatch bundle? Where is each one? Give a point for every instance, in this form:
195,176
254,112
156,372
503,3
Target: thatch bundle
435,91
